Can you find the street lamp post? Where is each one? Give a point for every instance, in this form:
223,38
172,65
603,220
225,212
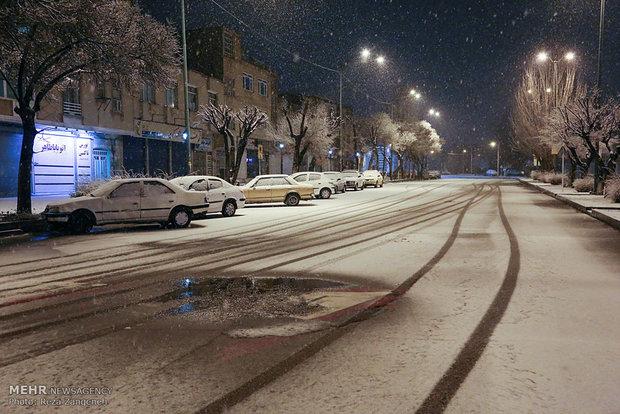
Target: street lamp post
493,145
464,167
365,55
187,135
568,57
281,146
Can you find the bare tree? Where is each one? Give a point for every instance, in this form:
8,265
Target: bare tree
357,143
587,129
405,139
250,118
307,125
379,131
534,102
221,117
44,43
426,141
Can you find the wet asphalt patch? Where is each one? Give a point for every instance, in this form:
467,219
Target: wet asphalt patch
257,306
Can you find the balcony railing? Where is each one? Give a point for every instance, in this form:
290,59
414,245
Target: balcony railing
71,108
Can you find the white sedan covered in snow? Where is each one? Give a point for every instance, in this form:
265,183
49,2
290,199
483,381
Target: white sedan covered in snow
223,197
133,200
324,187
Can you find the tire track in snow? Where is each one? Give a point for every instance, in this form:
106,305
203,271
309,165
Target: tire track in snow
447,387
261,380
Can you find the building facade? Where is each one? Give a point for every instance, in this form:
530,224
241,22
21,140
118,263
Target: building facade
91,130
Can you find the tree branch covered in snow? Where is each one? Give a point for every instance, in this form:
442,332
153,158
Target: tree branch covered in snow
534,102
307,125
587,130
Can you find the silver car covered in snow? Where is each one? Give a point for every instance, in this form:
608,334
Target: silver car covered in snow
223,197
132,200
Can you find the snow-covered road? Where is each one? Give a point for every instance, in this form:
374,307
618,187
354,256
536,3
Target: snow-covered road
508,303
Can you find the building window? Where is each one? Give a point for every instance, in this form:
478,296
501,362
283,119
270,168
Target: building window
117,102
229,49
229,86
100,90
171,96
5,90
213,98
71,104
248,82
262,87
148,93
192,95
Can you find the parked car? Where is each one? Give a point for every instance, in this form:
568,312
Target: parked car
323,186
434,175
354,179
223,197
132,200
491,172
337,179
276,188
513,172
373,177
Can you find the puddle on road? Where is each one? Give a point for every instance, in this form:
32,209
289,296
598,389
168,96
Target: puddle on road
253,300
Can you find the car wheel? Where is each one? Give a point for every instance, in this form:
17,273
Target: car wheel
362,187
229,209
325,193
381,184
291,200
180,217
81,222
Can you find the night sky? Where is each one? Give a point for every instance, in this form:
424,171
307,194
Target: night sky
465,57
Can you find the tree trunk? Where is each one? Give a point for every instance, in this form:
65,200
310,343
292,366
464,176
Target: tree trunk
24,175
239,159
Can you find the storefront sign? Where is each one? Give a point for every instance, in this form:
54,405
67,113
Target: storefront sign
61,159
204,145
160,130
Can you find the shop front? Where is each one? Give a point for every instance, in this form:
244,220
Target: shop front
158,149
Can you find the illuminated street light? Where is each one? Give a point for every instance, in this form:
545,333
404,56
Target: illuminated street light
529,91
412,92
417,95
464,151
542,56
365,54
569,56
548,90
380,60
494,144
431,112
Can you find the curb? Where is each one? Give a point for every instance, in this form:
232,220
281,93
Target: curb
592,212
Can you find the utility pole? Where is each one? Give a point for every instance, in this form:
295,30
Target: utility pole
187,135
340,133
601,31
